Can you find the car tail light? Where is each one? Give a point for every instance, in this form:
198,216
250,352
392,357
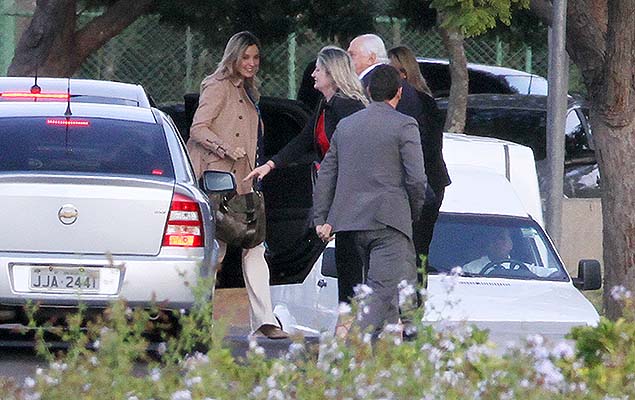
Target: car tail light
67,122
184,227
34,96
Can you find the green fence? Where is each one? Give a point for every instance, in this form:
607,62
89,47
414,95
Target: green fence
169,62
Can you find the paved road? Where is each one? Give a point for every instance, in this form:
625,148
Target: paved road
18,360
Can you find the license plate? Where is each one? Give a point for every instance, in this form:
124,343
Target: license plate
61,279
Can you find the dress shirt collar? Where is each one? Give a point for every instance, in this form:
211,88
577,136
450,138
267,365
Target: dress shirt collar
367,70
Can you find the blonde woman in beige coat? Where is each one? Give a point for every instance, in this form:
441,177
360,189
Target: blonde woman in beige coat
224,136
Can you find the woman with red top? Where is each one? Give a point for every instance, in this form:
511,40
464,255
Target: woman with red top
343,95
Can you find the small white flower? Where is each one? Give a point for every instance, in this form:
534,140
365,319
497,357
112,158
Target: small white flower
620,293
162,348
39,371
133,398
93,361
96,344
51,381
195,380
29,382
563,350
181,395
456,270
86,387
155,375
344,308
182,311
362,291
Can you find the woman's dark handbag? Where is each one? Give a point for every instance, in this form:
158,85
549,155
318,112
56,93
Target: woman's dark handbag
240,219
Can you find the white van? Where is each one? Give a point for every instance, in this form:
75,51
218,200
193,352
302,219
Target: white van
494,187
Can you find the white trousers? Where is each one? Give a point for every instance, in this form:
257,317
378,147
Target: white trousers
256,276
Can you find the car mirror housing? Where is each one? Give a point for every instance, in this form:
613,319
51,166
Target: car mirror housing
218,182
589,275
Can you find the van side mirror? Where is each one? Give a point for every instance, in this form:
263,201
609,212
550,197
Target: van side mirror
220,182
589,275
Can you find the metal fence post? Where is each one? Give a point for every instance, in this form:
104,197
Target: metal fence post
7,31
556,115
528,59
189,60
291,66
499,51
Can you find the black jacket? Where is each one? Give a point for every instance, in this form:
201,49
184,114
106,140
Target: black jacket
424,109
334,110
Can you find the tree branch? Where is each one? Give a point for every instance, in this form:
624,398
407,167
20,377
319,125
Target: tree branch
104,27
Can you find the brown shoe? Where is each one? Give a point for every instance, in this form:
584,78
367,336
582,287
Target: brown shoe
273,332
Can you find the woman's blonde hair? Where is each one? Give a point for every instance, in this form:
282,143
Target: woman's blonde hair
402,58
234,50
339,66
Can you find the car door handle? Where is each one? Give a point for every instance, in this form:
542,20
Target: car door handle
321,283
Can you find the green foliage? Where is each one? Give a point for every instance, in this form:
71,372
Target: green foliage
107,359
474,17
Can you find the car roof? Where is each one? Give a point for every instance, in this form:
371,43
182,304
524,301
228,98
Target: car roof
511,101
93,91
492,69
477,190
79,110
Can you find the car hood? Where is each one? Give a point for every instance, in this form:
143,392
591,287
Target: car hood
517,304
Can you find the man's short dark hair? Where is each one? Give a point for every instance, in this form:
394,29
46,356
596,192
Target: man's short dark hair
384,82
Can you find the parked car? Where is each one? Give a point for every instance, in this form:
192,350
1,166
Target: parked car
523,119
28,89
481,79
100,203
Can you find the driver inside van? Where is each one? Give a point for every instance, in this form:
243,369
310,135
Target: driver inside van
498,245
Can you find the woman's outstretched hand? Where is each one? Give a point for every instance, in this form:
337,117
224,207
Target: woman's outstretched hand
260,172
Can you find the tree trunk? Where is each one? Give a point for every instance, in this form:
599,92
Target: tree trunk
457,103
601,42
53,46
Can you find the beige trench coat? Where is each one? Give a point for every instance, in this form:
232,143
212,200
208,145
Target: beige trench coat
225,119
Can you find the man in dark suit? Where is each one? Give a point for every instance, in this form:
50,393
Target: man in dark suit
372,184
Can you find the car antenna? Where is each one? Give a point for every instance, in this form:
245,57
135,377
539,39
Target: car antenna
35,89
68,112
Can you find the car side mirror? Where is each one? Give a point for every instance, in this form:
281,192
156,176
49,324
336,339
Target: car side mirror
220,182
589,275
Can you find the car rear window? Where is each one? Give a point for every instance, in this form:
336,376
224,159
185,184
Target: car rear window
93,145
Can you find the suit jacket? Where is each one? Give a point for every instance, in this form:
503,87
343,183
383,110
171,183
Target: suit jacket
424,109
335,109
225,118
373,175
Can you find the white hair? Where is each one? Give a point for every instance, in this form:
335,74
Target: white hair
371,43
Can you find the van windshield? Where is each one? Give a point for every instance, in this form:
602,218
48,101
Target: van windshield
493,246
87,145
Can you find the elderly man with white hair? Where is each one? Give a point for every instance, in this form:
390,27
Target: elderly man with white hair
367,51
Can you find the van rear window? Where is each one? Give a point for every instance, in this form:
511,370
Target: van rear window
101,146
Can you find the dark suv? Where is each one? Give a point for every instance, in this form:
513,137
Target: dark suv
481,79
523,119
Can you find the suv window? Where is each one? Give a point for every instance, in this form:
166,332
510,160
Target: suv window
576,140
526,127
104,146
